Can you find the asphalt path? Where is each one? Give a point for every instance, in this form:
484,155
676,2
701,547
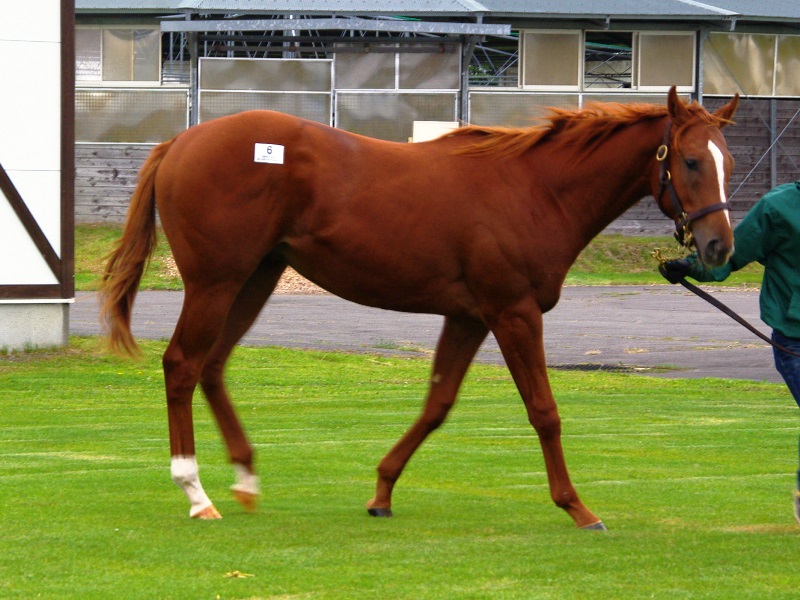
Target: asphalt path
659,330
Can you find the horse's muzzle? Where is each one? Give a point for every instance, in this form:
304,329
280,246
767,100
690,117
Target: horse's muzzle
715,253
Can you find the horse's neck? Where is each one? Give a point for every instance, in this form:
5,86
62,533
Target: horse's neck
601,186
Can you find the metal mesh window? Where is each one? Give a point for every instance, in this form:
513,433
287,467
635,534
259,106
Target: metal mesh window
371,71
269,75
316,107
391,116
429,71
300,87
514,109
129,115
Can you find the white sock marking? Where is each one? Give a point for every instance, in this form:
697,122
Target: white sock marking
186,475
720,164
245,481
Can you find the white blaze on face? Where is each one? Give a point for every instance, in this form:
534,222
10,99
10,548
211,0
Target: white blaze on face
720,164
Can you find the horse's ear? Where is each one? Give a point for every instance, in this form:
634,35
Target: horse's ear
725,113
677,109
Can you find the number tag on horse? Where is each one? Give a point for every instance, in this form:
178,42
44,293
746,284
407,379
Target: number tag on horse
269,153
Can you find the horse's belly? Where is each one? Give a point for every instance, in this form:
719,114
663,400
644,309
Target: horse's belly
392,282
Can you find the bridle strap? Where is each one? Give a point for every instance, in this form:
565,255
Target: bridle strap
702,212
665,177
683,220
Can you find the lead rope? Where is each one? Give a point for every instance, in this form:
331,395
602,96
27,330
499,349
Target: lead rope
657,254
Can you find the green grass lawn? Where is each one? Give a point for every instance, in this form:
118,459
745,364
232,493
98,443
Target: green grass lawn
608,260
692,477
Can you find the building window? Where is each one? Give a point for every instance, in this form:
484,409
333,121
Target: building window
666,59
607,60
551,60
788,66
104,55
751,64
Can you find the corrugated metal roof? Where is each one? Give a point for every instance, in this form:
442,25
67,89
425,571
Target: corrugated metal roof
766,10
343,7
603,8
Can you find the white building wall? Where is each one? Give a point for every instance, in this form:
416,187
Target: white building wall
30,153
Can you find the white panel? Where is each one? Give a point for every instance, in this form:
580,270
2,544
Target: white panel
424,131
31,20
41,192
20,261
30,106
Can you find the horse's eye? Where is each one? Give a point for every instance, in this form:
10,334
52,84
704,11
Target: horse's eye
691,164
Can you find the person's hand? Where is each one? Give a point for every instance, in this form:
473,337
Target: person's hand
674,270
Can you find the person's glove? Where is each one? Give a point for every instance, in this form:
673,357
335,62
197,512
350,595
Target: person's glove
674,270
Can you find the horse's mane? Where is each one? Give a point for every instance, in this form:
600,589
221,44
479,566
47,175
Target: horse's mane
582,128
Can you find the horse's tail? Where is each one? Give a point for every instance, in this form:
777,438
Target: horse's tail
130,256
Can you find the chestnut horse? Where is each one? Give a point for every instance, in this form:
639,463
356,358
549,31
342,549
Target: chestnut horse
480,226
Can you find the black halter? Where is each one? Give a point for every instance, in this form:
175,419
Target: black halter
683,220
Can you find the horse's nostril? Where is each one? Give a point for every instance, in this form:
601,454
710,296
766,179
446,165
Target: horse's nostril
716,252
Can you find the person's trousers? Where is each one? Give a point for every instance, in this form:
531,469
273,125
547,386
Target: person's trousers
789,368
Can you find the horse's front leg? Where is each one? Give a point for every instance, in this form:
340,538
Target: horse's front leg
458,343
246,489
246,307
519,335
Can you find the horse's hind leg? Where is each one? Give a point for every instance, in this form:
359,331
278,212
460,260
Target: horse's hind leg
243,313
200,324
458,343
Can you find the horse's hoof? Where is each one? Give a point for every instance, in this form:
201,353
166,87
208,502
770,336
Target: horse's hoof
208,513
595,527
246,499
380,512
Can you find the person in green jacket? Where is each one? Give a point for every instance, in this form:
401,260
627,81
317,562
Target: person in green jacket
770,235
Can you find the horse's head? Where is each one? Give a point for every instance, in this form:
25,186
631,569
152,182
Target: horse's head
694,167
